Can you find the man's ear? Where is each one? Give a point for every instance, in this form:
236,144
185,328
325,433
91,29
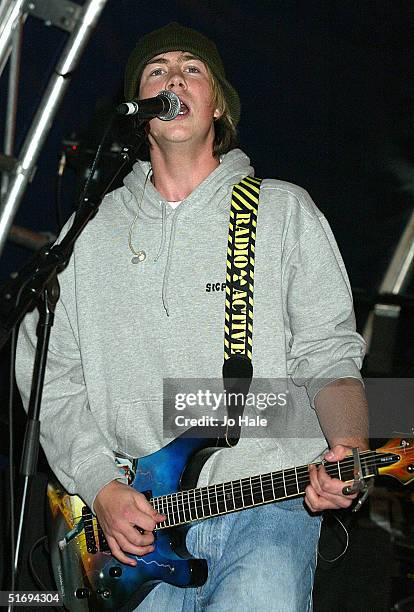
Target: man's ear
217,114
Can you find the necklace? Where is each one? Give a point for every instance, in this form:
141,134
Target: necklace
138,255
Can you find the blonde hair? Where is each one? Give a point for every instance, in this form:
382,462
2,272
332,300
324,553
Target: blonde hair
225,137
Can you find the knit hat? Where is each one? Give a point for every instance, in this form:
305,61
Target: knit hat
175,37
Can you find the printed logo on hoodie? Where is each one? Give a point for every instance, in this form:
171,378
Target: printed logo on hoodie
215,287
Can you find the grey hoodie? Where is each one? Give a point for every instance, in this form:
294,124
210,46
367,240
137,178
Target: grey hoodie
121,328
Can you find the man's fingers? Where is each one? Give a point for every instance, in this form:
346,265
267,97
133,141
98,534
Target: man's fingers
324,492
318,503
134,515
127,546
131,528
328,501
313,477
138,537
129,535
338,452
117,552
143,521
147,517
323,483
128,520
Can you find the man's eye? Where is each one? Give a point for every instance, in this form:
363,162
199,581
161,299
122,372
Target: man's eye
156,72
192,69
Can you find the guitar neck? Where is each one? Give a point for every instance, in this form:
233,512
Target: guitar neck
205,502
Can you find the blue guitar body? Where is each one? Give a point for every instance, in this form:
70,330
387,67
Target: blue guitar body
91,580
88,577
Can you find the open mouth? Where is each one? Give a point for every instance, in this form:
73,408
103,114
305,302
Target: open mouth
184,110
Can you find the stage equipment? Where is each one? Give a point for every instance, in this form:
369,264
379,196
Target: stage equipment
382,323
79,152
34,241
80,22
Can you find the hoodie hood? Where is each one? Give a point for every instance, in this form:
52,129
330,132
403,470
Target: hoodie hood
233,167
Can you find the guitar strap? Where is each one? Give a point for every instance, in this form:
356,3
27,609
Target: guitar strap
238,324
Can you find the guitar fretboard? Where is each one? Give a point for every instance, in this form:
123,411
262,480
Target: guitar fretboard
205,502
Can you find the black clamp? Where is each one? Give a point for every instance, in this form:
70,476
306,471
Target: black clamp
359,485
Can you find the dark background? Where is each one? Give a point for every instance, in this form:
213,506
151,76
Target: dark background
327,102
326,90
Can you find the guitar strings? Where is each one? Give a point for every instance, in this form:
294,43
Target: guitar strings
255,484
288,478
200,508
221,495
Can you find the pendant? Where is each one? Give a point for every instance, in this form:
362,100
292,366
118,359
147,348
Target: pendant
135,260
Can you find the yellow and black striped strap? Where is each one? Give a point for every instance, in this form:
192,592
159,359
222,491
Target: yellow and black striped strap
238,327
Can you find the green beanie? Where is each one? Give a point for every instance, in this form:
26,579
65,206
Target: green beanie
175,37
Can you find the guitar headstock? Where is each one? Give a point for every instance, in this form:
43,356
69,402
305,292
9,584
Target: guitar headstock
403,467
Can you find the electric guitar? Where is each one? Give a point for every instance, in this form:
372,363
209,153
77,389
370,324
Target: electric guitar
90,579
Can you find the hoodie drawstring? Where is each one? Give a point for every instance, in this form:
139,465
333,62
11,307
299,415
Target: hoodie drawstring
168,266
163,230
161,249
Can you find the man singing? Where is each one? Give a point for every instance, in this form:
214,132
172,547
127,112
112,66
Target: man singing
134,310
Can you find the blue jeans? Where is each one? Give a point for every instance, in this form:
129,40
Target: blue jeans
258,559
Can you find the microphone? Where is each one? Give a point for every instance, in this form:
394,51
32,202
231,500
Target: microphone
165,106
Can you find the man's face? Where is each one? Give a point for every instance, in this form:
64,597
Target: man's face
186,76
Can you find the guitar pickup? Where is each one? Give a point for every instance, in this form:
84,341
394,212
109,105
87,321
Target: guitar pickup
87,517
103,544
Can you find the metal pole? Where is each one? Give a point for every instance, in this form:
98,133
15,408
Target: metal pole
10,13
13,88
10,128
396,279
400,270
45,114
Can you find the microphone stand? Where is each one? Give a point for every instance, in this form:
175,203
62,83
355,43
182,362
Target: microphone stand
28,465
40,281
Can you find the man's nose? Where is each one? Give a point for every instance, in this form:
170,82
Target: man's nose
176,79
